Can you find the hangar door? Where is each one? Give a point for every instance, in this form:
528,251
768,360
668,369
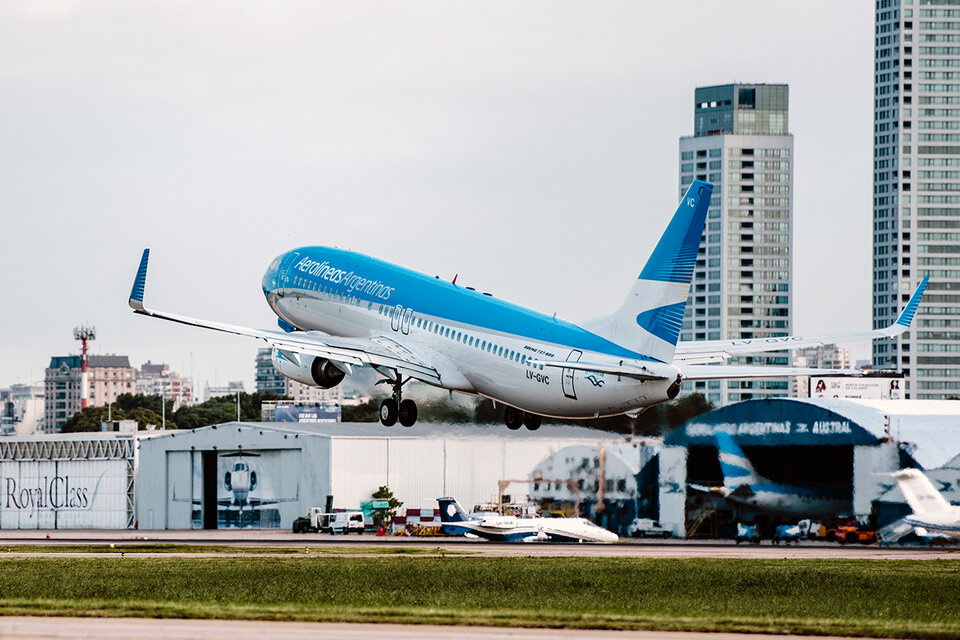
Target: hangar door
242,488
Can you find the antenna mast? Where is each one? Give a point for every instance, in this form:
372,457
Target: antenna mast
84,334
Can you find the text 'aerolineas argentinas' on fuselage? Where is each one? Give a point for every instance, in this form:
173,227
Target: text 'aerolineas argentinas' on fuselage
349,280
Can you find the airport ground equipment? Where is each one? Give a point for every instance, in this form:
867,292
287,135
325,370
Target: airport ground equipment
317,520
851,533
787,533
647,528
747,533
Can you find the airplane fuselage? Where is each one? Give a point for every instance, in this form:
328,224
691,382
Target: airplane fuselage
793,501
477,343
513,529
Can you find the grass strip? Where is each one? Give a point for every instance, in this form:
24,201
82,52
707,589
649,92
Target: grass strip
891,598
227,549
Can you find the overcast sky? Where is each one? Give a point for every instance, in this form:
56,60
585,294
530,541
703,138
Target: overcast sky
530,147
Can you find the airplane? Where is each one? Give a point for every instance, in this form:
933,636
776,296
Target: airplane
932,513
513,529
743,485
339,309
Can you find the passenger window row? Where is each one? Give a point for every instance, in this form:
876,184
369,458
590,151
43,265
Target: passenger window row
459,336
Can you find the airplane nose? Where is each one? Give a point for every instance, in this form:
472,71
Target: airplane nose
270,276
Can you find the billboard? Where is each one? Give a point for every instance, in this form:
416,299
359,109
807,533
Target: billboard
306,413
64,494
868,388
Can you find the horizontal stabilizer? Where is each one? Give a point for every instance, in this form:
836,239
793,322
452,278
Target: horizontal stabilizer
706,351
721,372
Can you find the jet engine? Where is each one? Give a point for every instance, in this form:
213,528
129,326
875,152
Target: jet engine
312,371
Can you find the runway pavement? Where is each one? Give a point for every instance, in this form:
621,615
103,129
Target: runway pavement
35,628
357,543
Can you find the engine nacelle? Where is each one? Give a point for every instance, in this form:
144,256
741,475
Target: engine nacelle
313,371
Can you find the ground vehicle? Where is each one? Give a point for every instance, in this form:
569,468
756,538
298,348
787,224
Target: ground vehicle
647,528
851,533
787,533
337,522
747,533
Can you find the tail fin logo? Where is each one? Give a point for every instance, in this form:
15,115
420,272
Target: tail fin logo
691,202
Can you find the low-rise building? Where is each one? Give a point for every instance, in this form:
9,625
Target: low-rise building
108,377
159,380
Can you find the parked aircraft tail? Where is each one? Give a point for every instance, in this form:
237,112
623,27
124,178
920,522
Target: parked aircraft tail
920,493
451,511
649,320
737,469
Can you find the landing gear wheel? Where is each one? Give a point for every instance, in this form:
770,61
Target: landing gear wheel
408,412
513,418
388,412
532,421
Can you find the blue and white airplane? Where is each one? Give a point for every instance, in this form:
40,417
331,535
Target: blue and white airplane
339,309
932,514
513,529
743,485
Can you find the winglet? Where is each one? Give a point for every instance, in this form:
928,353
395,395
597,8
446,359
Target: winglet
906,316
139,283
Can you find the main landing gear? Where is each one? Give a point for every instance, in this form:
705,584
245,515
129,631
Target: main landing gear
396,408
516,419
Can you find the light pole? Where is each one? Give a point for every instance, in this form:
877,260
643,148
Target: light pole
238,406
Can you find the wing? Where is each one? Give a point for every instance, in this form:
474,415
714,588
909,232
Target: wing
376,351
719,350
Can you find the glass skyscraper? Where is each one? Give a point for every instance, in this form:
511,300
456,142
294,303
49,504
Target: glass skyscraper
742,283
916,190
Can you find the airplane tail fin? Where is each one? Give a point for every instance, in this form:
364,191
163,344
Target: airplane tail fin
920,493
649,320
451,511
737,469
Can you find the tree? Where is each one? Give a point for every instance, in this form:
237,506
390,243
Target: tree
89,419
383,517
222,409
128,402
145,417
368,411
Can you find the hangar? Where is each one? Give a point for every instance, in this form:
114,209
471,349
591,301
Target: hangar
611,482
68,481
844,446
264,475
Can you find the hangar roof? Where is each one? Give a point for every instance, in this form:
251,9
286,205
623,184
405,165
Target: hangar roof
420,430
931,427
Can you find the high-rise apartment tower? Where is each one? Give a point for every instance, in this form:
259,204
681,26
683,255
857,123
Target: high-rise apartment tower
916,190
742,284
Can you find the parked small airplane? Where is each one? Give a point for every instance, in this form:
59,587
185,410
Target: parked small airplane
743,485
932,514
513,529
339,309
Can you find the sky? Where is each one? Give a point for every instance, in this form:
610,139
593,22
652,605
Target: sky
530,147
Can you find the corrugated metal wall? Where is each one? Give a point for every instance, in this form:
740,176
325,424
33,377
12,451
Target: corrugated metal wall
420,470
63,494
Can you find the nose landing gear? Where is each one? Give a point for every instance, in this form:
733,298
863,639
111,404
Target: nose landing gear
392,409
